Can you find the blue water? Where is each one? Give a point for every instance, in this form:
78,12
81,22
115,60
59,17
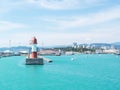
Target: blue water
84,72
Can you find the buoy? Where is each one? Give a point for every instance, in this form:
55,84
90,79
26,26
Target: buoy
72,59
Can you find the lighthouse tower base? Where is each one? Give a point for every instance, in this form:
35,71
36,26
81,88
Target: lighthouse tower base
34,61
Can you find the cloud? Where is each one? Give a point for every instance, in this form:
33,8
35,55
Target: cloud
99,23
6,25
96,18
102,34
8,5
98,34
59,4
65,4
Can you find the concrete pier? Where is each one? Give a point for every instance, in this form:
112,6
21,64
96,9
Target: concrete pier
34,61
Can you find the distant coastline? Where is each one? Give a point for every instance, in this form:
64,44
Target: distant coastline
93,48
97,45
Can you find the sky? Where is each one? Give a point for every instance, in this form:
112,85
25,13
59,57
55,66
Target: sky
59,22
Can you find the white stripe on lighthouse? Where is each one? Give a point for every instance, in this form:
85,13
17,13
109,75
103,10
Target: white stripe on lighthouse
34,48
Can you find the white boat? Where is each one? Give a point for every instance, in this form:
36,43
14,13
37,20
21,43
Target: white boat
69,53
118,52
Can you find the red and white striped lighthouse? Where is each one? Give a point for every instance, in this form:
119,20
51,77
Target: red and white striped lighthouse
34,48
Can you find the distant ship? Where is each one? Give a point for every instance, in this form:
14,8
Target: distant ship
118,52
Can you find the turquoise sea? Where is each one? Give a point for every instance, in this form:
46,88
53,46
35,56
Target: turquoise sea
75,72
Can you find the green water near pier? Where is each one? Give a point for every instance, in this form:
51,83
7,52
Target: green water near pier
74,72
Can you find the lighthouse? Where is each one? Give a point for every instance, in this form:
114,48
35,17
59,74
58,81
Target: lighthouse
34,48
34,59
